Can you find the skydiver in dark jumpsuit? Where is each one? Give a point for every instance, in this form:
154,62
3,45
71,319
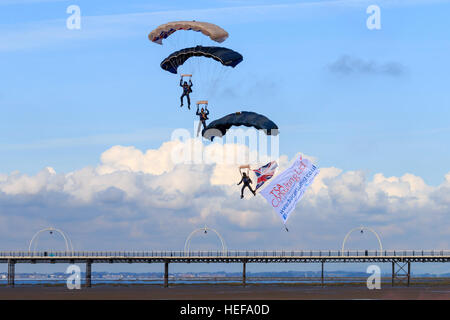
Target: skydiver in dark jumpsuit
187,89
203,115
247,181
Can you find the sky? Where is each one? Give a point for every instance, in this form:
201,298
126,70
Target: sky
88,115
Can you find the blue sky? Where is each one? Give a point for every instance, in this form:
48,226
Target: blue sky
89,87
372,101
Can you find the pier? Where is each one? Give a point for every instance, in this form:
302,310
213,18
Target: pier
401,260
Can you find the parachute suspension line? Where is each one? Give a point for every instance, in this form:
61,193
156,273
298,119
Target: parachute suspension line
192,38
216,80
225,73
194,68
213,75
207,77
170,43
202,69
173,42
198,70
188,37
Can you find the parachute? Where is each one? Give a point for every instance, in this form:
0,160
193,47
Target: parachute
207,74
226,57
213,31
220,126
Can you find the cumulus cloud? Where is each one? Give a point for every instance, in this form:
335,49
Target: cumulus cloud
140,200
348,65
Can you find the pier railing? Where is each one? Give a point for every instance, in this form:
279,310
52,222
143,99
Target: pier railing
237,253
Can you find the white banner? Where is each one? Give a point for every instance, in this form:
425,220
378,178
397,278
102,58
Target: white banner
286,189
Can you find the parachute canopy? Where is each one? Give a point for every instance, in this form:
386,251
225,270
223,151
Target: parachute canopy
213,31
225,56
219,127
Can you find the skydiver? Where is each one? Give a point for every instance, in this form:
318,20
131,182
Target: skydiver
247,181
187,89
203,115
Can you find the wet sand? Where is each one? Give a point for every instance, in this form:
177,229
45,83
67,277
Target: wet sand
223,292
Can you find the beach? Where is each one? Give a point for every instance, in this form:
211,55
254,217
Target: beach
223,292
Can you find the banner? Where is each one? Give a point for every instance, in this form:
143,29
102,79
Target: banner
265,173
286,189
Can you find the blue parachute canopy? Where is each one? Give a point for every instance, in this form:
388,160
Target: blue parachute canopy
219,127
225,56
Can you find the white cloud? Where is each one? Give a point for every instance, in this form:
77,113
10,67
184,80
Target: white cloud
143,197
120,158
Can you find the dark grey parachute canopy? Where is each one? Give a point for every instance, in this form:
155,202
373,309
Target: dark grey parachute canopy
225,56
219,127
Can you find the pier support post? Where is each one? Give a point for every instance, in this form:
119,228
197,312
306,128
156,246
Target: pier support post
244,272
401,272
88,274
409,272
11,272
321,277
166,274
393,272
